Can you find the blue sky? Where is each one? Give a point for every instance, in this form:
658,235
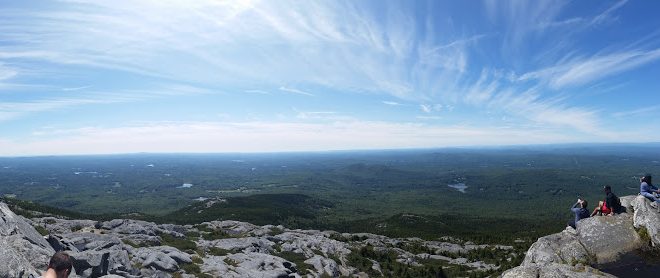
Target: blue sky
82,76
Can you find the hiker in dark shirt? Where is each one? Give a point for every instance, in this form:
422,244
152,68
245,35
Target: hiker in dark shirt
610,206
580,211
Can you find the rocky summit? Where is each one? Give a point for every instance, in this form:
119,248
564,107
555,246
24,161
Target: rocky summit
133,248
597,240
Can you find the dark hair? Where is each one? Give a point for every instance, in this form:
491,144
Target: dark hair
647,179
584,204
607,188
60,262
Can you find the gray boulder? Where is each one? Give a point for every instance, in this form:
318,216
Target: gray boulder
11,224
175,254
562,247
248,244
90,241
522,271
95,263
14,262
568,271
607,237
597,240
160,261
23,250
151,273
163,258
554,270
324,266
61,244
63,226
126,226
141,239
647,217
627,202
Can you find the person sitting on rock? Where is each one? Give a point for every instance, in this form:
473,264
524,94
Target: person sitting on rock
647,189
580,211
610,206
601,209
59,266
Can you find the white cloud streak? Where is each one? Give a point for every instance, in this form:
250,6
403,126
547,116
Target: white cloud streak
261,92
296,91
493,92
583,71
391,103
592,69
265,137
17,109
6,72
76,88
607,14
637,112
430,108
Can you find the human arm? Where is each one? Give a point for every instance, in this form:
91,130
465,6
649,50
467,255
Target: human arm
575,207
654,189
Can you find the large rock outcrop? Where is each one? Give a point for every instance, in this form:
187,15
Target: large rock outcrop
563,247
647,217
23,251
131,248
597,240
607,237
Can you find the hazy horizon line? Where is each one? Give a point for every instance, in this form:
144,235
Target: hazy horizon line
465,147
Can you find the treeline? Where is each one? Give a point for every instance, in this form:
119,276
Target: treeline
297,211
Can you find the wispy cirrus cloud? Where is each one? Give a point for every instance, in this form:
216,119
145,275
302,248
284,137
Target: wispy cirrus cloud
336,44
607,14
261,92
584,70
69,89
428,117
496,92
10,110
638,111
296,91
391,103
415,57
430,108
6,72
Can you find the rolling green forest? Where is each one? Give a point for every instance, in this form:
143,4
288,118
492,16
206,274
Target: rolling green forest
488,194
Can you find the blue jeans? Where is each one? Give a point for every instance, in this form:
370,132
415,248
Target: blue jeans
650,197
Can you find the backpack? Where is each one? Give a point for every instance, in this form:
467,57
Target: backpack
616,206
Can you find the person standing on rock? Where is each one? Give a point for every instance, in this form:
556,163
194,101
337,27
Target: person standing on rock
59,266
580,211
647,189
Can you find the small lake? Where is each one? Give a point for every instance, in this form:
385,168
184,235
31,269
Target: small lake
635,264
459,186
